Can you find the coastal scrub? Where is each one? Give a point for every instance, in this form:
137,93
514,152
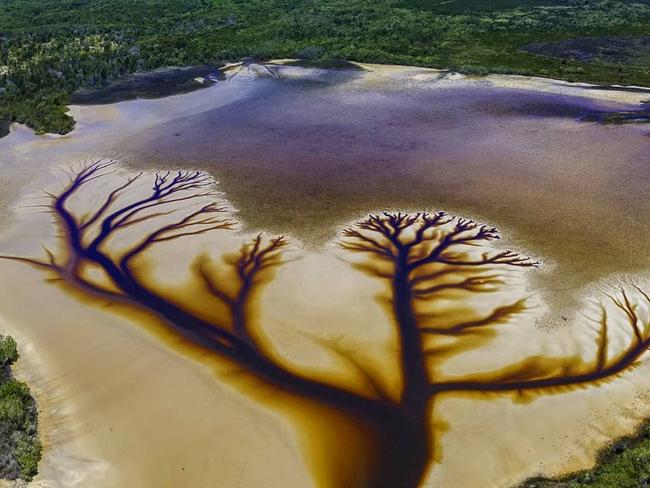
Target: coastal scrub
20,447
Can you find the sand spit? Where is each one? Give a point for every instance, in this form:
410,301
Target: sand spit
632,95
125,402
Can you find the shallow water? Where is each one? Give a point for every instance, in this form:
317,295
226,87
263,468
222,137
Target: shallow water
303,155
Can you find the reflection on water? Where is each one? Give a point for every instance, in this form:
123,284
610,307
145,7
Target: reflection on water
408,338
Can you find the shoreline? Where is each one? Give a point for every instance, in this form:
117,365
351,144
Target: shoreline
31,368
607,456
133,86
22,430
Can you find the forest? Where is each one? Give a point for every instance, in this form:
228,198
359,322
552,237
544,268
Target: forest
51,48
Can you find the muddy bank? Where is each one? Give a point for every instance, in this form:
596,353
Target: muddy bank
640,116
154,84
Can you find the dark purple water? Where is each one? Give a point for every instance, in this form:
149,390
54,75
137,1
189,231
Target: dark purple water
302,157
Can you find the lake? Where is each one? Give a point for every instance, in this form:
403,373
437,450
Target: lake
127,400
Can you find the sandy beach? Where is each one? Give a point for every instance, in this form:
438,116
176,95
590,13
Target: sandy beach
125,401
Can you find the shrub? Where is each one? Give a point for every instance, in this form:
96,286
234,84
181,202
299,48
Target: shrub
8,351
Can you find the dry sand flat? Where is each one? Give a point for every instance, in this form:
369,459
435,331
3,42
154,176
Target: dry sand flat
126,403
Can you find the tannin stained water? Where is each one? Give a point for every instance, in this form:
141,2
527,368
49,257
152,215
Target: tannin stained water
305,156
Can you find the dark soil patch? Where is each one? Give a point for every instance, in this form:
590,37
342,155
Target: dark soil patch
4,127
155,84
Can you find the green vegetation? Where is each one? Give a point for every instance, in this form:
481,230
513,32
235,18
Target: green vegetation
51,48
462,6
625,464
8,352
20,448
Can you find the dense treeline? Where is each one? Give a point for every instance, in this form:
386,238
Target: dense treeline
50,48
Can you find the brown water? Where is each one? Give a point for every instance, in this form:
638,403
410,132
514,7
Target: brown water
127,403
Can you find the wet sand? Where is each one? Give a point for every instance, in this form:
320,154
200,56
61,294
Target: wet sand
125,404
